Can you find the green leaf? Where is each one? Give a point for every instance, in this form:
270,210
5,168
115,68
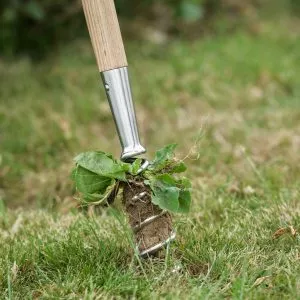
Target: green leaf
91,198
96,174
162,156
170,193
164,192
102,164
136,165
184,183
88,182
178,167
184,201
166,198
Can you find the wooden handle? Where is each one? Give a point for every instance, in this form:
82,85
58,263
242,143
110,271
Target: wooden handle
104,29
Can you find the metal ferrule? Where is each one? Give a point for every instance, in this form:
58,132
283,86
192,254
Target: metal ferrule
118,91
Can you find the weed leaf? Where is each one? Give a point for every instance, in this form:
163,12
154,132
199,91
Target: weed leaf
136,165
184,201
165,194
177,167
88,182
184,183
102,164
162,156
97,173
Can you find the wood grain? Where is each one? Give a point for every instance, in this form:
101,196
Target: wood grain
105,34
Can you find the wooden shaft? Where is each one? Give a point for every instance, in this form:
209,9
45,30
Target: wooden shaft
104,29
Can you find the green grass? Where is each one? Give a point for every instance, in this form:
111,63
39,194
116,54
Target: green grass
233,105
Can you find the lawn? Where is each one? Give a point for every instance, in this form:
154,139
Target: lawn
231,102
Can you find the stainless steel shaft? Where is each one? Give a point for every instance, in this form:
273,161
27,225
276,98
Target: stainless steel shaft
118,91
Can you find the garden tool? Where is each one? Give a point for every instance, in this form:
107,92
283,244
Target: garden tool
111,59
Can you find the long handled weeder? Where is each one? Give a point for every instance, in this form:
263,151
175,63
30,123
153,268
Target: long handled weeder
109,50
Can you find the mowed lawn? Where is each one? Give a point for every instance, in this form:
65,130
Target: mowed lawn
232,103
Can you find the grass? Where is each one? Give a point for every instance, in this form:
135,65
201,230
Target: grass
232,104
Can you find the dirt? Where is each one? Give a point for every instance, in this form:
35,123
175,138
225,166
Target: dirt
139,209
